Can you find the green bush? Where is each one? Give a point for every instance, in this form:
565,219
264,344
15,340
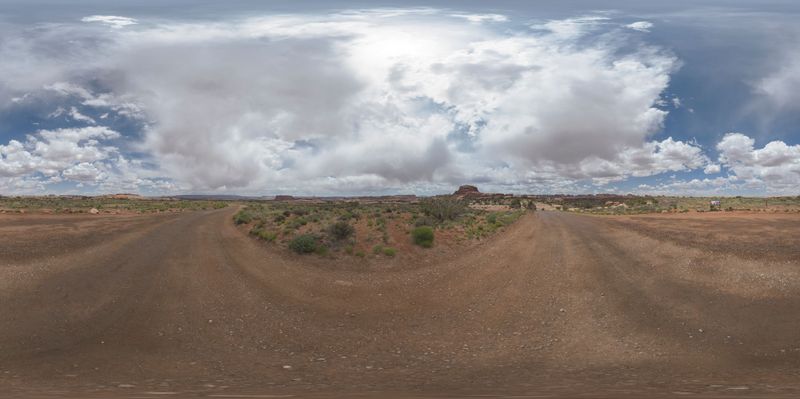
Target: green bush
268,236
390,252
304,244
242,217
423,236
377,250
341,230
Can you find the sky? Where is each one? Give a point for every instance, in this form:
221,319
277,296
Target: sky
381,97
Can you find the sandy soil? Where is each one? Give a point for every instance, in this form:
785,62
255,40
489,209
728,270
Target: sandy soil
186,305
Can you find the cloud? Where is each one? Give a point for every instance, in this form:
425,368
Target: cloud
76,115
782,86
111,20
355,101
712,169
776,166
480,18
51,152
83,155
641,26
699,187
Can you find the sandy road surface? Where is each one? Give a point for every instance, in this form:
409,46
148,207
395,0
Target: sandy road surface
560,304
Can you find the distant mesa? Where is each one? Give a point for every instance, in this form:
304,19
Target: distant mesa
467,191
284,198
123,196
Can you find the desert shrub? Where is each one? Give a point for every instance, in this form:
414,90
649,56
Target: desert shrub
341,230
349,215
296,223
390,252
279,218
491,218
242,217
424,221
265,235
443,208
360,254
321,250
304,244
348,249
377,250
515,203
423,236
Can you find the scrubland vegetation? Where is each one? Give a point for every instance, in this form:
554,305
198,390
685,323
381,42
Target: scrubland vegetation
64,204
350,228
629,204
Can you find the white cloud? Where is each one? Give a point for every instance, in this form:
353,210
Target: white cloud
121,104
366,100
700,187
111,20
781,88
79,155
641,26
76,115
712,169
571,28
83,172
480,18
776,166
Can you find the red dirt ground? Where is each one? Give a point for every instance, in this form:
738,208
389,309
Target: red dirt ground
559,304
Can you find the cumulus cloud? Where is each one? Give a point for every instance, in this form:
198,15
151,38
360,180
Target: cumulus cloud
357,101
712,169
51,152
700,187
776,166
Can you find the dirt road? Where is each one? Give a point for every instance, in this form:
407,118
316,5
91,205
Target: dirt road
559,304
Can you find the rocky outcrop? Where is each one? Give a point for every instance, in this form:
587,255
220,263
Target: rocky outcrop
467,191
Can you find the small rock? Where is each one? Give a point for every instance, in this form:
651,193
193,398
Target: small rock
126,386
94,211
287,367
